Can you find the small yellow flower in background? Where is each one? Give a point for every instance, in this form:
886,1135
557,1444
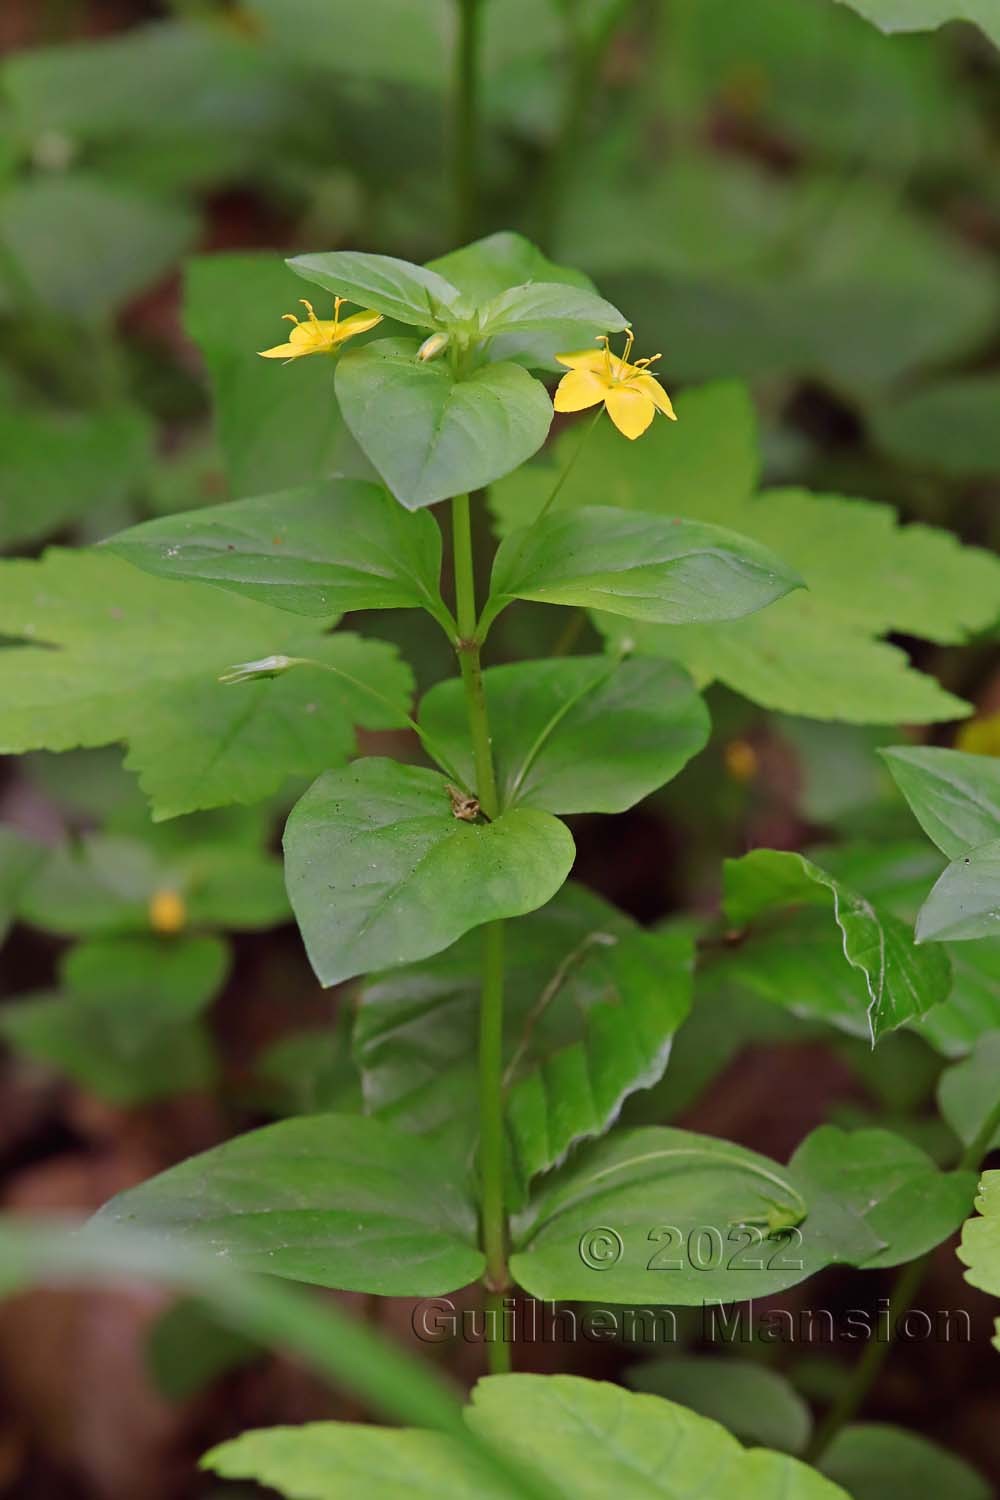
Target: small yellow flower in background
314,335
741,760
631,394
167,912
980,736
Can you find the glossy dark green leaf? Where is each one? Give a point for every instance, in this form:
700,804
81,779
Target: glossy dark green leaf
396,288
776,894
380,872
954,796
965,902
319,550
336,1200
591,1007
873,1461
431,436
754,1403
644,567
581,734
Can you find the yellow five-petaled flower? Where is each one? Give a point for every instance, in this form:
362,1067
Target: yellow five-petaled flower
631,394
314,335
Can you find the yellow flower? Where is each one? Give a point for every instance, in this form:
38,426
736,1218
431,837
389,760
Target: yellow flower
980,736
167,912
314,335
631,394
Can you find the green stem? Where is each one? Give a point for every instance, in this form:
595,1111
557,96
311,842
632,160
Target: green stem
903,1296
466,120
493,1218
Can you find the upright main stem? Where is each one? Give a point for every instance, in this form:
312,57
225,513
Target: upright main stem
465,127
493,1219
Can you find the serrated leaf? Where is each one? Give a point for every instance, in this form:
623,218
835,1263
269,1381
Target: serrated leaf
396,288
980,1247
779,891
954,796
431,436
335,1200
754,1403
584,1440
874,1461
591,1006
276,427
380,871
583,734
138,659
965,902
126,1025
318,550
668,1216
645,567
928,15
814,653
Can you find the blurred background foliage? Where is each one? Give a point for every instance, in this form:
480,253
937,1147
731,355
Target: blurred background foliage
776,192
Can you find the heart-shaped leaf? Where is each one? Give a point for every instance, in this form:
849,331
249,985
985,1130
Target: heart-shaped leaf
954,796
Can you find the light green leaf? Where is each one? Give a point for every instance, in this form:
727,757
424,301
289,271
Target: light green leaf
890,1183
666,1216
122,241
138,659
379,868
276,427
582,734
645,567
965,902
431,436
336,1200
126,1027
585,1439
873,1461
969,1092
754,1403
980,1247
897,982
954,796
321,549
533,308
948,427
592,1003
396,288
928,15
56,467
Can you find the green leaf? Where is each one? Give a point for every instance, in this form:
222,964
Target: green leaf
138,659
954,796
126,1027
973,1005
189,1349
19,860
276,427
122,242
969,1092
378,867
311,1072
592,1003
431,436
585,1439
582,734
666,1216
335,1200
947,427
814,653
645,567
106,884
788,961
928,15
56,467
873,1461
533,308
980,1247
754,1403
965,902
399,290
890,1183
318,550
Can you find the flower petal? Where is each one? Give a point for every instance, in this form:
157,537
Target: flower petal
359,322
578,390
586,359
281,351
630,410
651,387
